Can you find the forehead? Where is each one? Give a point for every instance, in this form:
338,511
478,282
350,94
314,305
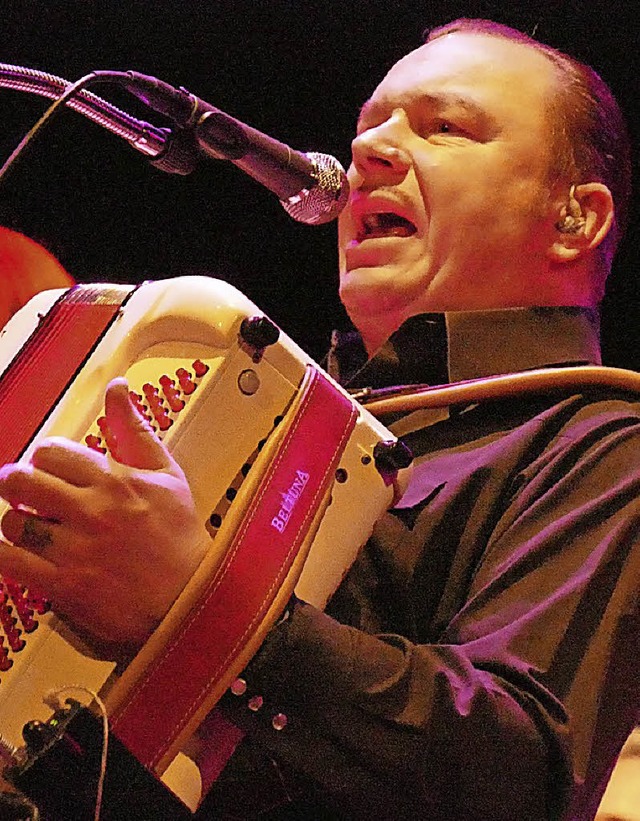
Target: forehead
504,78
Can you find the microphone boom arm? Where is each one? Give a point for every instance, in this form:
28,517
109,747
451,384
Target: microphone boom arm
143,136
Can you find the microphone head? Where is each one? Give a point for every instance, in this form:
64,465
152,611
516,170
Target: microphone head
326,199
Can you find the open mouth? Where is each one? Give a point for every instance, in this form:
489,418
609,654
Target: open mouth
386,224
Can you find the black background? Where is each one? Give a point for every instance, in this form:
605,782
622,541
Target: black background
296,70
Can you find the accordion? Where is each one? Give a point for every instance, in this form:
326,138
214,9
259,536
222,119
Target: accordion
288,473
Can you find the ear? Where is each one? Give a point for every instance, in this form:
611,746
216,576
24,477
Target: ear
584,221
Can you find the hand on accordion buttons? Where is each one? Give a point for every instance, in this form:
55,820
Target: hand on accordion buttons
110,543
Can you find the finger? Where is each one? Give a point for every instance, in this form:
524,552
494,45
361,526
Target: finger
73,462
23,485
27,568
137,444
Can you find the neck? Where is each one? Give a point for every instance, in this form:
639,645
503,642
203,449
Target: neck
376,329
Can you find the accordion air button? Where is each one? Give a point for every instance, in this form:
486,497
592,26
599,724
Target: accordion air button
248,382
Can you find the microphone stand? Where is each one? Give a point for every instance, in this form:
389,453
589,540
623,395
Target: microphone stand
156,143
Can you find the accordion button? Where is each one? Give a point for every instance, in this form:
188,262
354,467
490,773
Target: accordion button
171,394
95,443
187,385
199,368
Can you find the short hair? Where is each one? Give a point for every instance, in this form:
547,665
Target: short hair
590,134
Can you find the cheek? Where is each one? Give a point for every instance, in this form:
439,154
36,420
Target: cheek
498,208
458,196
482,184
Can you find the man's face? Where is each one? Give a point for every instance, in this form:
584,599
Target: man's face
451,205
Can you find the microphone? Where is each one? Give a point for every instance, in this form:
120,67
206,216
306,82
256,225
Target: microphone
312,187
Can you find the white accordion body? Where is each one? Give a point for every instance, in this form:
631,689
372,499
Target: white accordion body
234,400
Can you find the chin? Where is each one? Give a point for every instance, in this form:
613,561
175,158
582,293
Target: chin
365,297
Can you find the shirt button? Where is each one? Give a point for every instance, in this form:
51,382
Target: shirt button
255,703
279,721
239,687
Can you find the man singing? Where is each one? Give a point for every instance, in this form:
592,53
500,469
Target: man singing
480,660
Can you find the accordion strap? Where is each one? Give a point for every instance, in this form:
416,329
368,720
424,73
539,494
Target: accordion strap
217,625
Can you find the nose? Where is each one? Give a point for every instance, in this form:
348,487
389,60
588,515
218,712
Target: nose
380,154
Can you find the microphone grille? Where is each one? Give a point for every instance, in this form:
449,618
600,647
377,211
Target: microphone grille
325,200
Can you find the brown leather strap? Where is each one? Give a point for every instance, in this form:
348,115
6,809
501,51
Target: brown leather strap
510,385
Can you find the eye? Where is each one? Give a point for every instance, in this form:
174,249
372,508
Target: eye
448,127
439,127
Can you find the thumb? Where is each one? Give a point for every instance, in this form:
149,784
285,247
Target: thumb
133,442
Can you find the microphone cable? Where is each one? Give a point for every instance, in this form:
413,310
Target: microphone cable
72,89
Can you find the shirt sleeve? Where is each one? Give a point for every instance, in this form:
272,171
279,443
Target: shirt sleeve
519,707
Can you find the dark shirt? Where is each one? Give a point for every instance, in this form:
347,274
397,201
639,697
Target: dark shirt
481,658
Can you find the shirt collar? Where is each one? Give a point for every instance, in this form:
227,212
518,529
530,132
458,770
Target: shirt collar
434,349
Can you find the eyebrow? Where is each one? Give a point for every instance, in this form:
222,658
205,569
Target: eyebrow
439,100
